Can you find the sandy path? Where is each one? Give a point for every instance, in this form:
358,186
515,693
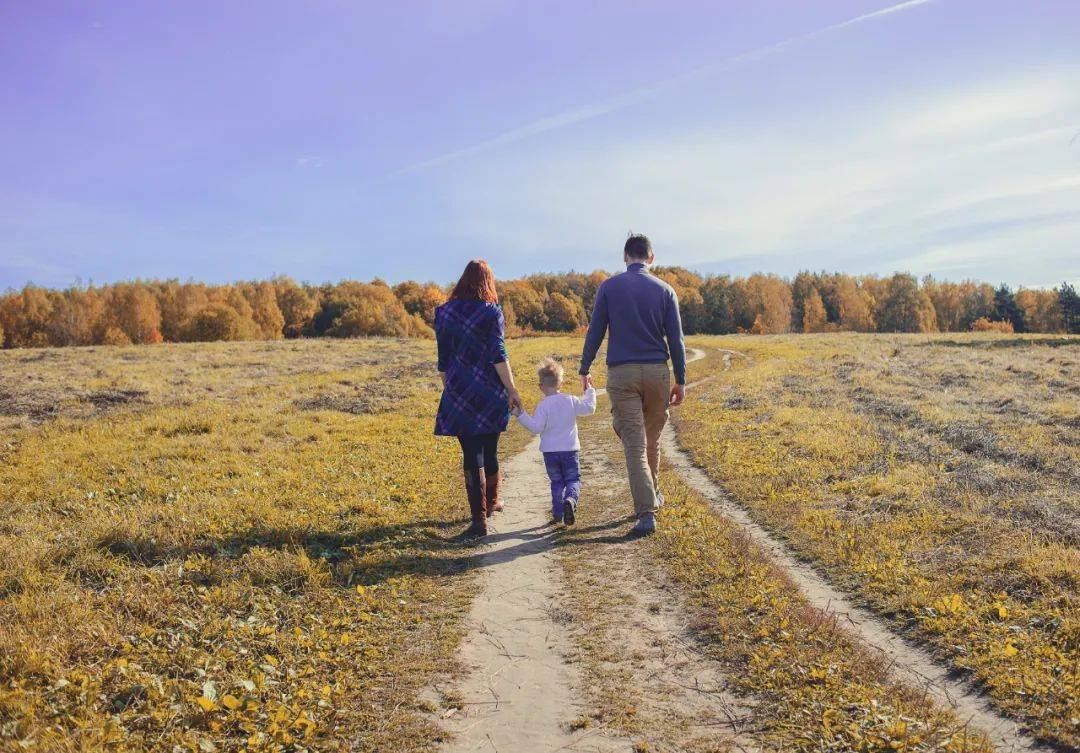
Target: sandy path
909,662
633,632
519,694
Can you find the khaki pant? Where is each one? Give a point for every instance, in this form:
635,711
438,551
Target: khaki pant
639,395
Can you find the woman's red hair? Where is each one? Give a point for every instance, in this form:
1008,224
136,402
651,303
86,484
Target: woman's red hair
477,283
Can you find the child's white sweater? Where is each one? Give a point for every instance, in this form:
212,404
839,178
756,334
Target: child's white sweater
555,420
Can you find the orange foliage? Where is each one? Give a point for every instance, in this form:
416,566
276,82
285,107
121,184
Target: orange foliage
982,324
148,312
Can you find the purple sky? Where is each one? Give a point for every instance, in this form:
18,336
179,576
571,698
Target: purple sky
324,140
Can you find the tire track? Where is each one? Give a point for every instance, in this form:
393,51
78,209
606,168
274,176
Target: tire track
908,662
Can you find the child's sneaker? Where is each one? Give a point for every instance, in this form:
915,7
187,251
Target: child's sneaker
569,511
556,520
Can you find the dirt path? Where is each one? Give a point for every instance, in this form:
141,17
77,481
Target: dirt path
521,685
520,693
910,663
647,675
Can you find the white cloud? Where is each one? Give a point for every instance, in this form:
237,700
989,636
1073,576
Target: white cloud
883,192
991,109
645,93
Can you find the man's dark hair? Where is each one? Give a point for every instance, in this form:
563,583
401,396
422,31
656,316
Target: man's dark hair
637,247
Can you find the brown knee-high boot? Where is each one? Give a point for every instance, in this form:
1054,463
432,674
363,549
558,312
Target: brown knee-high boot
491,494
475,489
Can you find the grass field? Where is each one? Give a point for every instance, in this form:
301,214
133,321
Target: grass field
935,477
231,547
250,546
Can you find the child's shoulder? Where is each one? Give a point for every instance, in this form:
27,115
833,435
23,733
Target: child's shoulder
554,398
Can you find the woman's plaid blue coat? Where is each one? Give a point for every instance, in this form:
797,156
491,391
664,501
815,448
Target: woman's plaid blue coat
470,339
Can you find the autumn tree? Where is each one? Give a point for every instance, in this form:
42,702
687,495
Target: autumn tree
563,314
233,296
265,311
75,316
855,306
906,308
177,303
977,302
687,287
113,335
1041,310
360,309
800,291
764,301
133,310
814,318
24,317
297,306
421,300
144,312
947,301
526,301
216,321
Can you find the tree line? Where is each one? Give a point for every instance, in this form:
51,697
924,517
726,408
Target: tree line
171,311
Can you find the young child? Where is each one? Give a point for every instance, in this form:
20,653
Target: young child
555,421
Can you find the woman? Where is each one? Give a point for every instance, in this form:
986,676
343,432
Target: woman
478,385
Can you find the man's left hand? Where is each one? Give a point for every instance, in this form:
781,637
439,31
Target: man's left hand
678,392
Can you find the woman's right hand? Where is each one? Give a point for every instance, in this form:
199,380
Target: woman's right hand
515,400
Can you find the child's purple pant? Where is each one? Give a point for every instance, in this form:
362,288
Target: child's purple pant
565,474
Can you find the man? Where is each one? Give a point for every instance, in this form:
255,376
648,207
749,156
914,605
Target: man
642,314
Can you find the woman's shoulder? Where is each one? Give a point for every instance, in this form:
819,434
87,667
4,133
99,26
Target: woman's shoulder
489,309
469,308
468,303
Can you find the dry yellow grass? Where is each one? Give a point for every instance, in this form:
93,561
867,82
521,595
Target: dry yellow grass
810,685
250,546
936,477
228,547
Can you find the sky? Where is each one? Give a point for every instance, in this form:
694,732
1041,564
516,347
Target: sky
333,139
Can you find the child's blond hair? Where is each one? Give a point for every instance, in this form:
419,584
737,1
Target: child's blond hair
550,372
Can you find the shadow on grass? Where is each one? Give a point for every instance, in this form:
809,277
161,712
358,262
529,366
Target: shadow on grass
369,556
331,546
447,559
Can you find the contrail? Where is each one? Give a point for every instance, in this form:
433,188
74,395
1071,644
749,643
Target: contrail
644,93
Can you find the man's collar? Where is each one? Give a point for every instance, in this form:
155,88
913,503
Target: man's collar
637,266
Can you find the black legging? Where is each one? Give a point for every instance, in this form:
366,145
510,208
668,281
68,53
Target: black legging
481,451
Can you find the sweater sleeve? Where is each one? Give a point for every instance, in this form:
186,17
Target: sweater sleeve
498,337
673,333
442,347
598,324
586,404
534,424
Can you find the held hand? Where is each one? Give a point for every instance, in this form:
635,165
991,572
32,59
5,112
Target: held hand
678,393
515,402
586,382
